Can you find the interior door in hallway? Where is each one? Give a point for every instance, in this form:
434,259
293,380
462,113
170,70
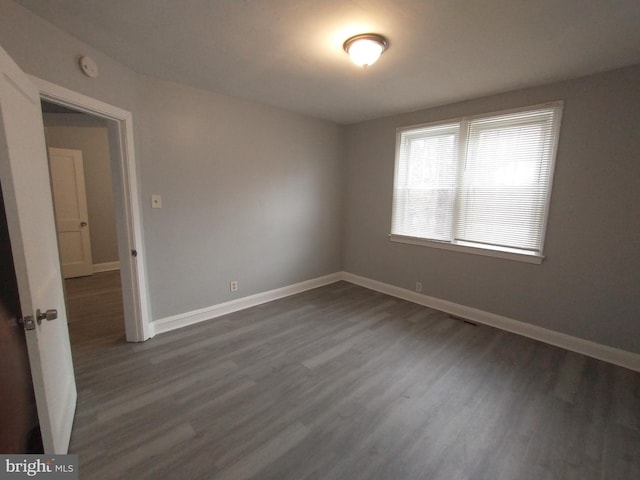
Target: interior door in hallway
72,219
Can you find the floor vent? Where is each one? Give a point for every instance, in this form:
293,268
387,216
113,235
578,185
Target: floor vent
465,320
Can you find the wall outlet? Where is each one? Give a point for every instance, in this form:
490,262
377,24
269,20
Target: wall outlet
419,287
233,286
156,201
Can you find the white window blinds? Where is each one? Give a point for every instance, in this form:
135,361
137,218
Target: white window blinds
481,181
424,195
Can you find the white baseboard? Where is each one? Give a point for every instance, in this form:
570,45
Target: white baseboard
106,267
606,353
613,355
196,316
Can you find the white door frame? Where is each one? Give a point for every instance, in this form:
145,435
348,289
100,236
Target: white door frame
137,311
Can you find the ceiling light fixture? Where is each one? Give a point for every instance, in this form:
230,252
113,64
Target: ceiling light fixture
366,48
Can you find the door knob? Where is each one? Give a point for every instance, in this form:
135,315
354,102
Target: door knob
83,224
29,323
49,315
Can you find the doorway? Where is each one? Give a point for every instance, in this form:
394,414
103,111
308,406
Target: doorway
131,258
80,164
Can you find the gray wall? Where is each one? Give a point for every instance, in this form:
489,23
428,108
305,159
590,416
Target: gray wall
90,135
43,50
250,192
589,284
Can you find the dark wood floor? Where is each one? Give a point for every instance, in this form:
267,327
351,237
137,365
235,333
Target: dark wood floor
341,383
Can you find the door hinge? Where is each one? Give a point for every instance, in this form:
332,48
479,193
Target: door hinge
134,253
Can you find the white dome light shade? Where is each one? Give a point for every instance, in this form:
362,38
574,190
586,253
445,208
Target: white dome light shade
365,49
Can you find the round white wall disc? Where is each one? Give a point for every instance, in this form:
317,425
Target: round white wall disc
88,67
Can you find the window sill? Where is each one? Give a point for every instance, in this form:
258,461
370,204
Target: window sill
506,254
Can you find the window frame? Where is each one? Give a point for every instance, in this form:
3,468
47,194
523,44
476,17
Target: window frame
534,257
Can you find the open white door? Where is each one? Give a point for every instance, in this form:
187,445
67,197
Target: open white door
28,203
72,217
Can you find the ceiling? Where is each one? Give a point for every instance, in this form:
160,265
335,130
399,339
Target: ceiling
288,53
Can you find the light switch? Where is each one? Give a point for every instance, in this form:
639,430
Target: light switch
156,201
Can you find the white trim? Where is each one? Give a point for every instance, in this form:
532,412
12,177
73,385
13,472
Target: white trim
606,353
106,267
485,250
135,295
174,322
522,108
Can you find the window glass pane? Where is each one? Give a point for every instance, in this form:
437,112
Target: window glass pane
425,183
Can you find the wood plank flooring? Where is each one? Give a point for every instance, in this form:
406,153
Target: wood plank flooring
341,383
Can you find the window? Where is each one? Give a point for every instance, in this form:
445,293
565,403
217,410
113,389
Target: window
480,184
